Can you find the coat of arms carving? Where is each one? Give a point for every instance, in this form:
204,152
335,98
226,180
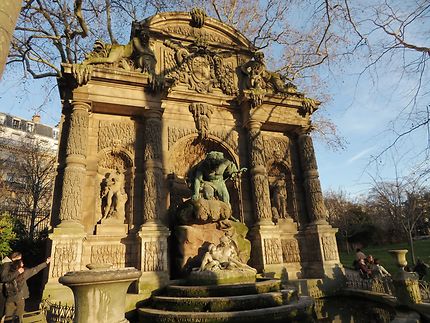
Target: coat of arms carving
201,68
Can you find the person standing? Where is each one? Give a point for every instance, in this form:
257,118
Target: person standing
5,267
15,278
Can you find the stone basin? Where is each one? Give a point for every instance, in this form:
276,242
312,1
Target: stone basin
100,293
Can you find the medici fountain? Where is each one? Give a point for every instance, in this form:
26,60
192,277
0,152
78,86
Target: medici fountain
187,177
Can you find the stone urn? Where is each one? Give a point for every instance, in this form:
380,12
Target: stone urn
406,287
100,293
399,257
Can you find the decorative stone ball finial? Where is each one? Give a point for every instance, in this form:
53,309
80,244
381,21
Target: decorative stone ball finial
198,17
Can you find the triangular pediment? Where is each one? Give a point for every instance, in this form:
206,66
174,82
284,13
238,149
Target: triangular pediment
179,25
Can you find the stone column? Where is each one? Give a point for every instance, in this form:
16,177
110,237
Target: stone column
314,198
266,252
153,234
67,238
321,256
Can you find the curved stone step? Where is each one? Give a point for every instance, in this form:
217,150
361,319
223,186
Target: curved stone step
224,304
300,311
265,286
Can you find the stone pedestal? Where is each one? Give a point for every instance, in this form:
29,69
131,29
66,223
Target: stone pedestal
153,261
321,256
266,252
109,228
406,285
66,253
276,249
100,294
292,268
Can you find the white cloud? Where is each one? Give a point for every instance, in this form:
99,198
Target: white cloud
359,155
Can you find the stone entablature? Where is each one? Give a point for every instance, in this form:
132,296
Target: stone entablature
137,119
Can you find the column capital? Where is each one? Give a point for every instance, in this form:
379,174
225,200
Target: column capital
254,124
153,113
81,105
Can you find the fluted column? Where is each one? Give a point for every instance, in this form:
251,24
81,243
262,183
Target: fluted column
153,173
75,165
314,197
259,181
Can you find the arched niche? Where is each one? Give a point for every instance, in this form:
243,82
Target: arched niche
119,162
184,155
281,183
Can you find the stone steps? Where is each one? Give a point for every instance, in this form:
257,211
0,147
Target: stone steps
224,304
264,286
263,301
298,311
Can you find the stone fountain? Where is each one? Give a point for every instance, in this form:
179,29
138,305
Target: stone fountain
100,292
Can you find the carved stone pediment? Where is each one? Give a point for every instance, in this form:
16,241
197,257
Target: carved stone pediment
189,26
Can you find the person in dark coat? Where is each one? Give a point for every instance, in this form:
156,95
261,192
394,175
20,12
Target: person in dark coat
4,276
15,279
421,268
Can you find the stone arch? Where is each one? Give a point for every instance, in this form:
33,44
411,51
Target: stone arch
279,171
188,152
111,160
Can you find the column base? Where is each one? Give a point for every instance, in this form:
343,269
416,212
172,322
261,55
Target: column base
154,258
66,244
320,252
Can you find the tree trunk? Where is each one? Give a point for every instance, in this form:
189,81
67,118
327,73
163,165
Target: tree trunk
9,12
347,243
411,246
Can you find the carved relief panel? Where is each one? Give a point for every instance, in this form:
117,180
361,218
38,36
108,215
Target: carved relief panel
153,254
64,259
329,248
272,251
113,254
290,250
116,135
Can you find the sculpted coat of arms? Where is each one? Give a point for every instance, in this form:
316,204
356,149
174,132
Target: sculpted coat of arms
201,68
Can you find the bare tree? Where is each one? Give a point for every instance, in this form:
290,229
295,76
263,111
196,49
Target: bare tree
35,164
402,200
346,214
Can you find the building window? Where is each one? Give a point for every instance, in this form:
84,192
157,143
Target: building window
55,133
16,123
30,127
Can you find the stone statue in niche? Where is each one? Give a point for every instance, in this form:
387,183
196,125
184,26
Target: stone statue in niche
223,256
279,200
210,201
210,175
113,196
